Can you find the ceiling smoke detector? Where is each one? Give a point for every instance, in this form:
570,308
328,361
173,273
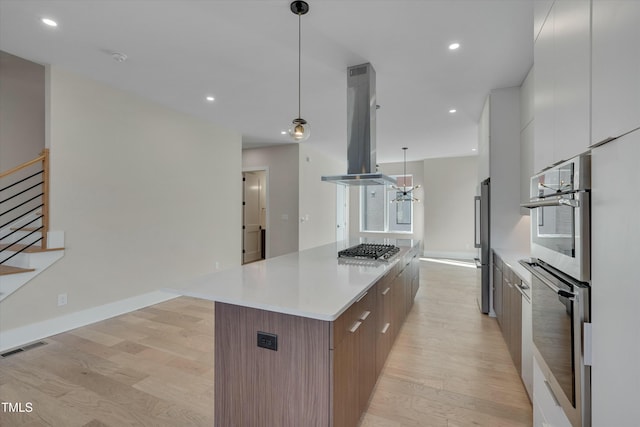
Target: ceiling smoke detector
118,57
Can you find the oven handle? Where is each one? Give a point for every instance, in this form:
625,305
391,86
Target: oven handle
561,292
538,203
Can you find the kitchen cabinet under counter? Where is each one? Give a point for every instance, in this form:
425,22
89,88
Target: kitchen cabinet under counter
512,290
301,339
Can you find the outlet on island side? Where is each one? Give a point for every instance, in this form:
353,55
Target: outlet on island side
268,341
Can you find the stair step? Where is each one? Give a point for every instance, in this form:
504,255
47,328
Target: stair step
7,269
25,228
31,250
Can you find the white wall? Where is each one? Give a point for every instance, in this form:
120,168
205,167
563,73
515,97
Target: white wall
317,209
22,99
450,186
147,197
416,169
282,162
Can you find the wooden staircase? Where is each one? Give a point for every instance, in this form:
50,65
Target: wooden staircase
25,244
6,270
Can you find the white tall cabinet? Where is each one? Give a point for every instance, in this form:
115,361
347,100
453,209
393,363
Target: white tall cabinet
615,374
587,91
615,109
499,160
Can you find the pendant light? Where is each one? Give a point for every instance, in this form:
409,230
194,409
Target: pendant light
404,193
299,130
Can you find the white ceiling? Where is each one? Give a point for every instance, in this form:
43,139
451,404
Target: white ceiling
245,54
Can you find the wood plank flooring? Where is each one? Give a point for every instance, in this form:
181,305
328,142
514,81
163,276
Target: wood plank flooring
154,367
450,365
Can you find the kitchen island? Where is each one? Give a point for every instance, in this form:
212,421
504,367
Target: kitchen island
301,339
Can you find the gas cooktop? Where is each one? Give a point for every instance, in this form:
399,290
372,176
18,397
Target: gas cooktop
369,251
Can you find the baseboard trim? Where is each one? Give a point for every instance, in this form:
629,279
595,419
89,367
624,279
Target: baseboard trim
20,336
451,255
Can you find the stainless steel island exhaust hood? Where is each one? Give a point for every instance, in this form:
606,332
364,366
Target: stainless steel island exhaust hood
361,130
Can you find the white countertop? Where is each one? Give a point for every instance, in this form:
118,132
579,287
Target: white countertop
511,258
312,283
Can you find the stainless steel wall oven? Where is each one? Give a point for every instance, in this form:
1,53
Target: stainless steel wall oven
561,309
560,219
561,293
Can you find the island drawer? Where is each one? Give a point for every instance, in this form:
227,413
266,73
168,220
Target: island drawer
363,310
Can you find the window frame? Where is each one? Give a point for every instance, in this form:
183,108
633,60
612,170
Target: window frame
387,205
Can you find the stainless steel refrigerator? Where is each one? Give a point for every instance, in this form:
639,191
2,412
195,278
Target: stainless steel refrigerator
481,241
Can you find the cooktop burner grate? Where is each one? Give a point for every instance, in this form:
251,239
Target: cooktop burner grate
369,251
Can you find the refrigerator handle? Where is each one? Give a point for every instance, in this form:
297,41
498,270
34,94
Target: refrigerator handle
476,222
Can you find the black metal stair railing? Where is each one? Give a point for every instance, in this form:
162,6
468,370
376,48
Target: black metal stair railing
21,201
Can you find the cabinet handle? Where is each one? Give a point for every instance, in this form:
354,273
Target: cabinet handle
355,327
364,315
386,291
386,327
363,295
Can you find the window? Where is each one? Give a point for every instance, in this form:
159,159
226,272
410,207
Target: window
378,213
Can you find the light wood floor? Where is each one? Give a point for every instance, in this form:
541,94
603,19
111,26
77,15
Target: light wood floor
154,367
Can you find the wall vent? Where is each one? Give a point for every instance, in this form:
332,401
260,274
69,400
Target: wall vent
23,348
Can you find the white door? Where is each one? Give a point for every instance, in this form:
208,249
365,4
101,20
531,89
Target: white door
342,197
251,241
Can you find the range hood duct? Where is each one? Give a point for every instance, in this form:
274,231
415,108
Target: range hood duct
361,130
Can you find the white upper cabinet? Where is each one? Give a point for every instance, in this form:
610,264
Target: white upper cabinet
544,96
527,124
615,68
562,57
572,21
541,9
526,100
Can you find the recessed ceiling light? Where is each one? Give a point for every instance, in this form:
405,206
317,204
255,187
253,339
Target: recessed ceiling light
474,149
210,98
283,132
453,110
50,22
454,46
118,57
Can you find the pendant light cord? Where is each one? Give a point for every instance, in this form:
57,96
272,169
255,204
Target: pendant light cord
299,61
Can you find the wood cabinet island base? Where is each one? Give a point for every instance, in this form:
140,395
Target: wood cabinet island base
320,372
255,386
301,339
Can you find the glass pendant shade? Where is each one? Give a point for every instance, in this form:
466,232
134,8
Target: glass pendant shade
299,130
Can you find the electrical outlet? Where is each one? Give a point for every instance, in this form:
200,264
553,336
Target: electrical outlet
268,341
62,300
